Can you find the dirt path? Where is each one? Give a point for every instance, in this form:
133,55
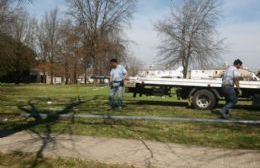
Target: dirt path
133,152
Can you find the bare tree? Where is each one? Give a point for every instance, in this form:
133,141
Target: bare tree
19,25
66,51
48,40
100,19
42,52
23,28
134,65
16,58
30,38
188,35
8,10
72,51
16,22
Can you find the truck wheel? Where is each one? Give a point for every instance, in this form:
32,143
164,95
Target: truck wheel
204,100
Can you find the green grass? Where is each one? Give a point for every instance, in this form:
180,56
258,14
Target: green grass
95,102
35,98
21,160
211,135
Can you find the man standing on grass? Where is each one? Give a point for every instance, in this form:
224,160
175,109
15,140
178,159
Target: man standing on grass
231,79
118,75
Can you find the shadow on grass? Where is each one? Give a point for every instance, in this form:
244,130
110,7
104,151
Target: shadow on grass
45,137
184,104
247,107
159,103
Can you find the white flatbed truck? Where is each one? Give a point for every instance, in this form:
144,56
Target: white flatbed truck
201,94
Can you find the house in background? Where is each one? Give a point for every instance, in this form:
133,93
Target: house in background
38,76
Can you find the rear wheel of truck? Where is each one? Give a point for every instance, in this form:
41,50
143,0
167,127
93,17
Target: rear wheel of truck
204,100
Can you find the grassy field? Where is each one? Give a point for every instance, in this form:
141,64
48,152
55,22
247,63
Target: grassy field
15,100
22,160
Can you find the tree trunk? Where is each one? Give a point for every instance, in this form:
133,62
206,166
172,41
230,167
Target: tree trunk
187,60
44,77
95,70
66,70
85,76
185,69
52,73
52,77
75,74
67,75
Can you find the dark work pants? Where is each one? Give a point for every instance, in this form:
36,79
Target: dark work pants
231,98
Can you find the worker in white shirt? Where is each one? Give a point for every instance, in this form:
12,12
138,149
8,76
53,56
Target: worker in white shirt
118,75
230,80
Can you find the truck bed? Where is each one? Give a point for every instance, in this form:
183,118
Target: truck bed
190,83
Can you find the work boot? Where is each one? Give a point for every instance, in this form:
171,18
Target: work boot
111,108
120,109
224,115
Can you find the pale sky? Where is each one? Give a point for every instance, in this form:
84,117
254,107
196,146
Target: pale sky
240,26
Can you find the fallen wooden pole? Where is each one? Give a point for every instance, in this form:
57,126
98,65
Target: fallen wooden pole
145,118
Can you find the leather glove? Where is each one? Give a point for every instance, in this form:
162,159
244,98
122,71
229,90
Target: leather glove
111,85
240,93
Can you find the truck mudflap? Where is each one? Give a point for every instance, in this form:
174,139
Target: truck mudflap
256,101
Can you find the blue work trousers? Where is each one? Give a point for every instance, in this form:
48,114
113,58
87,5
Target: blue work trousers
113,92
230,96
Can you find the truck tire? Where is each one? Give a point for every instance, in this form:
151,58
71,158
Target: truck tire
204,100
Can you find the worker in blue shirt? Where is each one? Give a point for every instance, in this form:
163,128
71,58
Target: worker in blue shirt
118,76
